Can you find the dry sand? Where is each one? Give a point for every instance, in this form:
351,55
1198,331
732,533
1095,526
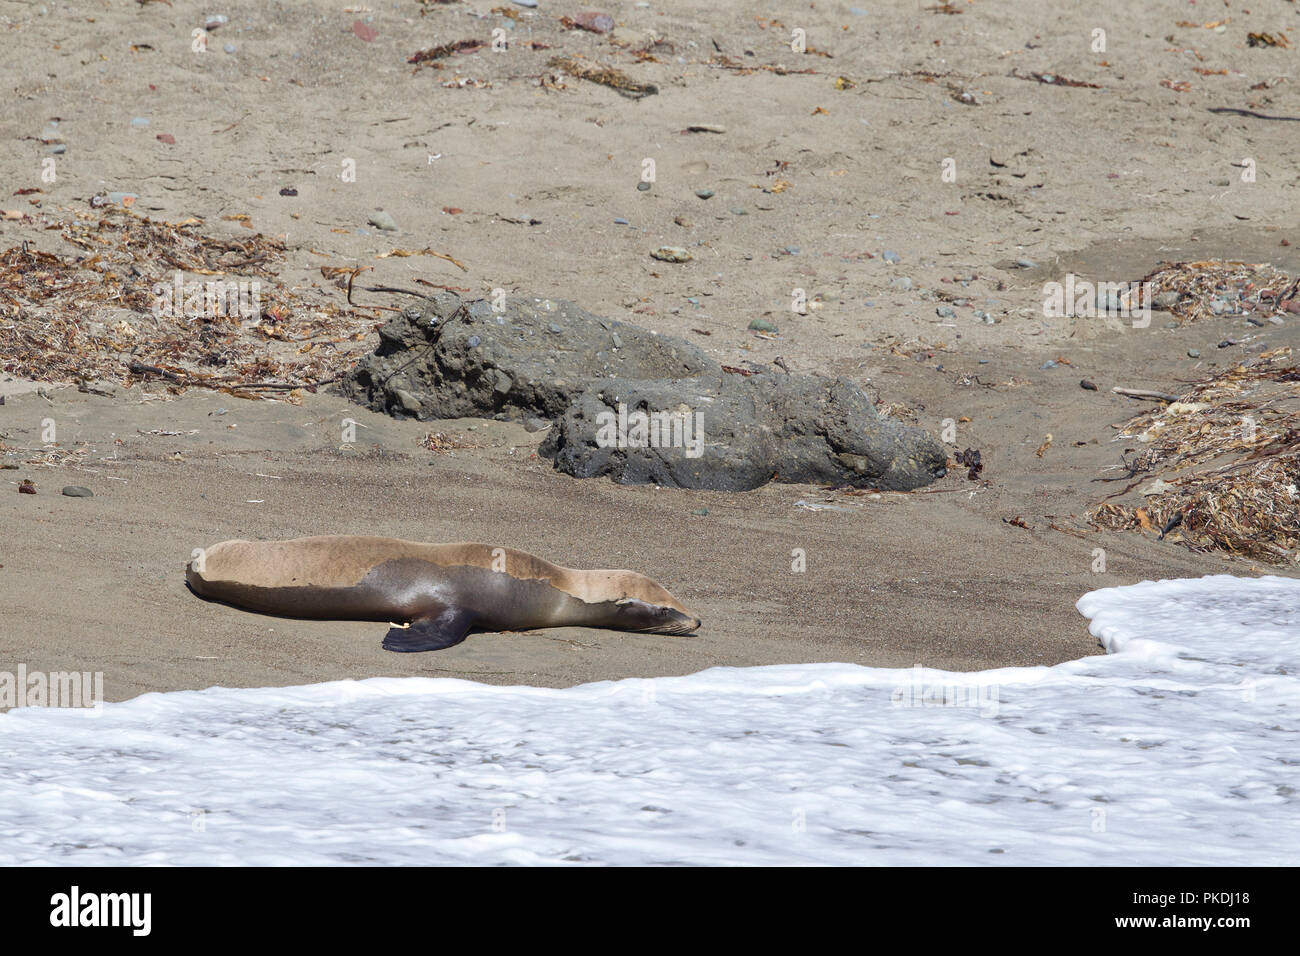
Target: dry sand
1102,182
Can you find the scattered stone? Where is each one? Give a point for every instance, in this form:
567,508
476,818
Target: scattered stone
593,21
530,4
1218,306
214,20
620,221
27,487
1193,353
739,211
76,491
901,282
229,48
1226,343
763,325
671,254
139,122
382,220
1220,182
791,250
945,312
1050,363
1025,263
1090,386
890,256
704,193
643,186
700,511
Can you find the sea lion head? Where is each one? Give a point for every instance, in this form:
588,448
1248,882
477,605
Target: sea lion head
638,603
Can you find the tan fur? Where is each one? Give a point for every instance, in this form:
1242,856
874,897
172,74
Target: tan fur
343,560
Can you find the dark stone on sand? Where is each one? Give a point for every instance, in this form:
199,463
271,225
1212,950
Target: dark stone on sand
516,364
750,430
791,428
76,491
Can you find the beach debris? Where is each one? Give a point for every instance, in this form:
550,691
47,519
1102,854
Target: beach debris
1017,522
590,20
1047,443
819,506
1268,39
361,30
1228,458
441,442
1090,386
671,254
64,313
27,487
1053,79
445,50
1145,393
970,460
615,79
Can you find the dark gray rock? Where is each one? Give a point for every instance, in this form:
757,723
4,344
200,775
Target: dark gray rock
516,365
732,433
452,358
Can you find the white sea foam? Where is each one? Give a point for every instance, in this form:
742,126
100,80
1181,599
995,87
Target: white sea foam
1182,746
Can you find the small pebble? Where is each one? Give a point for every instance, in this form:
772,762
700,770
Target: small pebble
1090,386
700,511
1025,263
530,4
139,122
76,491
382,220
890,256
1193,353
229,48
762,325
791,250
620,222
739,211
474,341
945,312
643,186
704,193
554,329
901,282
671,254
616,339
1226,343
1050,363
1220,182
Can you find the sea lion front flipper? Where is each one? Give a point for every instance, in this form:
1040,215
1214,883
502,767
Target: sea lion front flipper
446,629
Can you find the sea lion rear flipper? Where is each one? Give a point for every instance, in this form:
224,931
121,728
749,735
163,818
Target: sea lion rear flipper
431,633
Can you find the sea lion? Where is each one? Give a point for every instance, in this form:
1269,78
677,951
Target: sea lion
443,590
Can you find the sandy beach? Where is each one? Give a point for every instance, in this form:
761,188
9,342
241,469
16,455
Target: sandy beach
815,176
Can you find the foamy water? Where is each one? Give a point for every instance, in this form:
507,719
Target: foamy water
1182,746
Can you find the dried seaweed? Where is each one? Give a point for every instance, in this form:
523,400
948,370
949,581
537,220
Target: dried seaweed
100,315
1258,286
1227,456
616,80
